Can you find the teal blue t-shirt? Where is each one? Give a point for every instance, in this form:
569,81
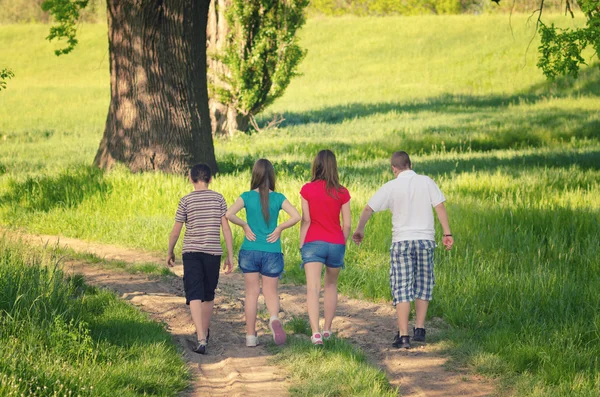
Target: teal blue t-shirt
256,221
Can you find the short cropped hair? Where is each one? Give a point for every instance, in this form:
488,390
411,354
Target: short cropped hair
401,160
200,173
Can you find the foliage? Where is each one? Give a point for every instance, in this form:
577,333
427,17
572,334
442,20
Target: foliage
67,14
517,157
59,336
261,54
5,74
394,7
561,49
338,368
30,11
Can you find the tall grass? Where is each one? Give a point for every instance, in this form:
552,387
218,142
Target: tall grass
59,336
517,157
335,369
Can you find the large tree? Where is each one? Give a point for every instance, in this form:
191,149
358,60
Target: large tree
158,117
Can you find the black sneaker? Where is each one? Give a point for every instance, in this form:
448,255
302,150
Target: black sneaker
401,342
200,348
419,334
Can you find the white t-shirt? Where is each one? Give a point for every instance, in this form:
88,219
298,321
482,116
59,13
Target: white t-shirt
410,197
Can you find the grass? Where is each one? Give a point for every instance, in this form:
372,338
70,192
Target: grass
516,156
60,336
151,269
335,369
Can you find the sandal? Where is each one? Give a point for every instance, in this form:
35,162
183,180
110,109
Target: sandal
317,339
327,335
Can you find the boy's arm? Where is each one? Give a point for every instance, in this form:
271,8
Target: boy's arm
228,265
172,241
442,215
346,220
305,221
294,218
359,233
231,215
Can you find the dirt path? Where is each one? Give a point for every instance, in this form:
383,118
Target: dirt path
232,369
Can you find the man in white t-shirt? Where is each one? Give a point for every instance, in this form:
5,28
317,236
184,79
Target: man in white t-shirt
409,197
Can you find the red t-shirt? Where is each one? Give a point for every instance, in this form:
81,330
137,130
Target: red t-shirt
324,212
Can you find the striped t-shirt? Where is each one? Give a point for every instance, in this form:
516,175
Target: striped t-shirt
201,211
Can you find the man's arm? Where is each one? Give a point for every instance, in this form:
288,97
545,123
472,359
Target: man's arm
442,215
359,233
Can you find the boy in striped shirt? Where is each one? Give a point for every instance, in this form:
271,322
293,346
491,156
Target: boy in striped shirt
203,212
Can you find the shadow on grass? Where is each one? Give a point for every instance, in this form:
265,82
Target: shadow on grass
588,84
378,169
66,190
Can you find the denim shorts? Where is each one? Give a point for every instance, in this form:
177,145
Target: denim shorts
332,255
268,264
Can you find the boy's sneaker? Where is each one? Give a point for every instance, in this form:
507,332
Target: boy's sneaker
419,334
200,348
277,331
251,340
401,342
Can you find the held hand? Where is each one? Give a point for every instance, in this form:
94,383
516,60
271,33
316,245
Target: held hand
271,238
170,259
358,236
228,264
249,233
448,242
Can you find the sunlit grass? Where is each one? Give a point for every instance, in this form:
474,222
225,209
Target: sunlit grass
59,336
517,157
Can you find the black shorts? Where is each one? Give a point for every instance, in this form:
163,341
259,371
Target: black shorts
200,276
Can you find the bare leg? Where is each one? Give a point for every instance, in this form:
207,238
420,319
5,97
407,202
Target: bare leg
313,290
251,282
403,310
421,308
197,318
207,309
269,287
331,295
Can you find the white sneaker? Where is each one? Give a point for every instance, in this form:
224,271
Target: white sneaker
251,340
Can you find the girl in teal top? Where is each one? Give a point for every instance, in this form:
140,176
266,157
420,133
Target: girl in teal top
260,254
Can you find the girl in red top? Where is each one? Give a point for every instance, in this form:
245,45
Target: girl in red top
323,239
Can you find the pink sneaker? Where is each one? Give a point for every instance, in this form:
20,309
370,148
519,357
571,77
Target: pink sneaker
317,339
277,330
327,335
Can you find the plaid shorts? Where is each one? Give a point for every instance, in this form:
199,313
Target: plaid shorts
411,270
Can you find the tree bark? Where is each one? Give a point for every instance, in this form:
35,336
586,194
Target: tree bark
225,120
158,118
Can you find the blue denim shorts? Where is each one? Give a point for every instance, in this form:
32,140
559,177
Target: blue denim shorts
332,255
268,264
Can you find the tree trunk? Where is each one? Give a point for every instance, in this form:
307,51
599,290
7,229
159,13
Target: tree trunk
225,120
158,118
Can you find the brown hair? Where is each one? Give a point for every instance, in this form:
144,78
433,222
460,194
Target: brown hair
401,161
324,168
263,179
200,173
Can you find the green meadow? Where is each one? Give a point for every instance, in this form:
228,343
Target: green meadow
59,336
518,158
